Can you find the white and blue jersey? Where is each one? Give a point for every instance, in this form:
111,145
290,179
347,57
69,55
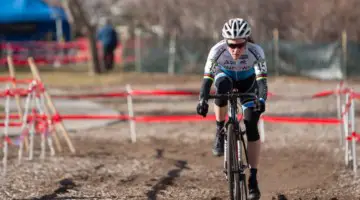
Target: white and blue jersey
248,69
220,63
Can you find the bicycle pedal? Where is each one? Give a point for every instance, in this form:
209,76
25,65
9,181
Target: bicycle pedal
225,173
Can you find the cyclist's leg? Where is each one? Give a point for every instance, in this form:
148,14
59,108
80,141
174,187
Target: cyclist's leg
251,118
223,84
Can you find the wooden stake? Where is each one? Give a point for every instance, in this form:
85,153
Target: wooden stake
50,103
17,97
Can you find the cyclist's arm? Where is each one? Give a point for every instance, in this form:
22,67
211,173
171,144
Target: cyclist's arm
261,76
208,78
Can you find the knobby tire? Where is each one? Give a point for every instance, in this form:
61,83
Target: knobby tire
243,185
232,164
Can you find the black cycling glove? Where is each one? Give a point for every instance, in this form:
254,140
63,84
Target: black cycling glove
202,108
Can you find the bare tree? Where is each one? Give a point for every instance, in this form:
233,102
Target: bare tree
77,10
78,18
306,20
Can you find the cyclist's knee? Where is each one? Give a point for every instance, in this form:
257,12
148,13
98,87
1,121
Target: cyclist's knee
251,119
223,85
221,103
252,132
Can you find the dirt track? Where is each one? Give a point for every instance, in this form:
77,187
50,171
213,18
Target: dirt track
174,161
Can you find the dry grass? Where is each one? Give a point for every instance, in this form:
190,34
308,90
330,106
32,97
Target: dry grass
77,76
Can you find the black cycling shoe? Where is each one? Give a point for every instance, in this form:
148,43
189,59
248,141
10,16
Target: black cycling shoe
218,146
254,192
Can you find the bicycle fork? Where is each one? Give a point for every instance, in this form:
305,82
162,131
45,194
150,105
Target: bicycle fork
242,166
225,157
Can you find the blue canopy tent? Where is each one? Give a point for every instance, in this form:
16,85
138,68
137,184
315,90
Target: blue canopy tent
23,20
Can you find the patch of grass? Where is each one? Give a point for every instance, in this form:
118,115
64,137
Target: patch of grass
78,76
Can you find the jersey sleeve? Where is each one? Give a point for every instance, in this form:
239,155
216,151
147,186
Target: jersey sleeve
261,73
209,74
260,65
209,65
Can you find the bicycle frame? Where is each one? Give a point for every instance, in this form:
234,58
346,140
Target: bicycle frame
233,119
232,97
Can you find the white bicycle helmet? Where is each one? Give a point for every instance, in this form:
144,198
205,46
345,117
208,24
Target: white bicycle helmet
236,28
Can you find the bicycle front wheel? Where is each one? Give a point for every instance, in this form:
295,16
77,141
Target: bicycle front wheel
242,161
232,164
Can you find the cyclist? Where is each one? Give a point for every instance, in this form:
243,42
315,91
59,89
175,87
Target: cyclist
236,62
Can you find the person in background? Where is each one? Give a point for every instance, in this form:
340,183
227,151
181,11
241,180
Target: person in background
108,37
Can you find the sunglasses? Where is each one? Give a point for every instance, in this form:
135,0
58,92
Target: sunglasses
236,45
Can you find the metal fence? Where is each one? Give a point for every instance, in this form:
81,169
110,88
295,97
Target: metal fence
176,55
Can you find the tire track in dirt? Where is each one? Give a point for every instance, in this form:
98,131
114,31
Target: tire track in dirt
174,160
167,180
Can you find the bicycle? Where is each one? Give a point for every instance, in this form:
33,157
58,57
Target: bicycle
234,145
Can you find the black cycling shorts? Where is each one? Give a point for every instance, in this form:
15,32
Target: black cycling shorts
224,84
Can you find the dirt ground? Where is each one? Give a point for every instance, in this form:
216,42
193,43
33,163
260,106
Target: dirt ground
174,160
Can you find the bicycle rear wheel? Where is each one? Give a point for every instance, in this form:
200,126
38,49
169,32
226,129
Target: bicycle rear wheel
232,164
